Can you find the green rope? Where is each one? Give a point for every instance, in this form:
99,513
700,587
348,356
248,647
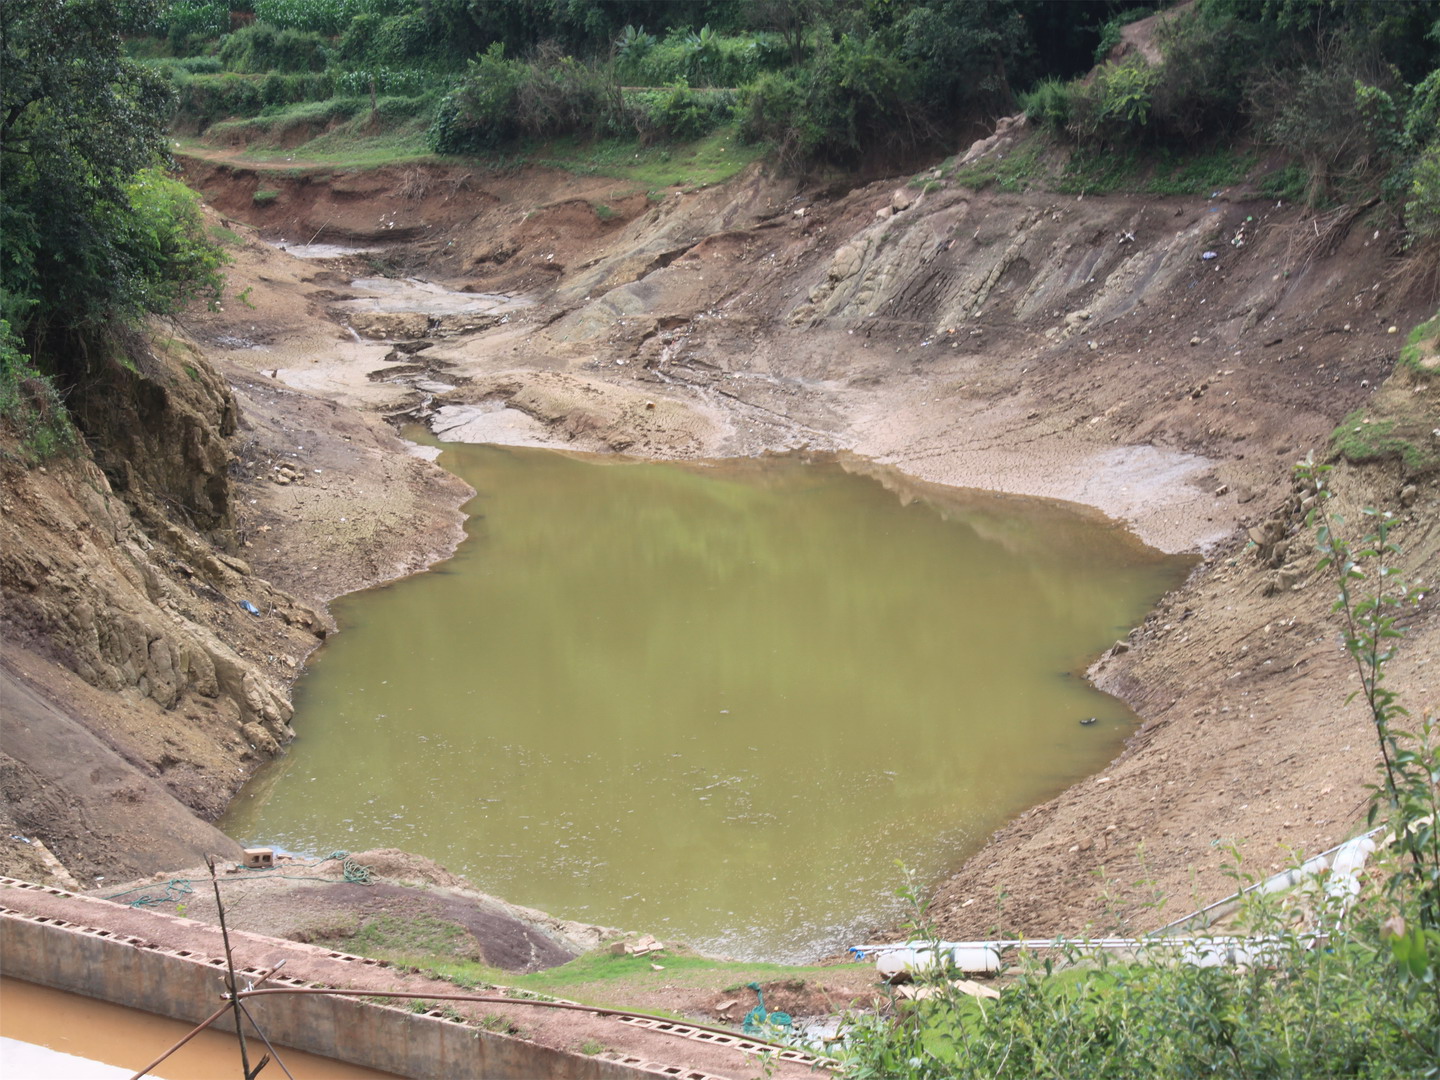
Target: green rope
175,888
356,872
351,871
759,1022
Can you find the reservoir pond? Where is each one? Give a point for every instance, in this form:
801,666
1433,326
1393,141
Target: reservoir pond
719,703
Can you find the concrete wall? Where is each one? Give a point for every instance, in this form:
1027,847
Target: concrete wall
186,986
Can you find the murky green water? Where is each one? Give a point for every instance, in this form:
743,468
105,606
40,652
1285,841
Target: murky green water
715,703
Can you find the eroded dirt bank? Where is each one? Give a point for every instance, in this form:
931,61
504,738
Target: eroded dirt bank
1035,344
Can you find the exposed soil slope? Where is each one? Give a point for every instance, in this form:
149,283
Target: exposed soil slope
1036,344
1082,349
145,666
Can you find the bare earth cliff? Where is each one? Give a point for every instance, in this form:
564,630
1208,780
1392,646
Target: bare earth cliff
1037,344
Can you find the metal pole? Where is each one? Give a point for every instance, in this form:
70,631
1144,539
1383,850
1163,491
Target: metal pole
199,1028
278,1060
230,976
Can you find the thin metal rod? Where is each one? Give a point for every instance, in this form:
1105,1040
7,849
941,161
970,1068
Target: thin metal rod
273,1053
195,1031
206,1023
230,983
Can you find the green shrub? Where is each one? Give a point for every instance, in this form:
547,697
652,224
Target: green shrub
1110,31
1210,61
261,47
1048,104
277,89
208,98
499,100
1422,209
560,95
699,58
855,93
1407,144
1115,106
321,16
680,112
357,41
481,112
172,260
30,407
1315,114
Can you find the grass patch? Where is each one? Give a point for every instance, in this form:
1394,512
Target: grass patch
264,196
226,236
1198,174
1019,170
1095,172
350,146
414,940
599,978
1398,422
343,133
1166,172
1423,344
688,165
1360,439
364,140
1290,183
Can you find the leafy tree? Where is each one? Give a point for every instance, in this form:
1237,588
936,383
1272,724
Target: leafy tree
89,235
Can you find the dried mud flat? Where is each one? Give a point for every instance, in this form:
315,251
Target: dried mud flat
1036,345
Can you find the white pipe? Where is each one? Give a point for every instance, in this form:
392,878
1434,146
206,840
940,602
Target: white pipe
984,956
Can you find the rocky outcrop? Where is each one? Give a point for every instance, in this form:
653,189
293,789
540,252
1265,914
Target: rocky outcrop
145,656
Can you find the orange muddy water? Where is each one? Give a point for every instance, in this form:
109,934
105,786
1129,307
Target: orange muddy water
39,1025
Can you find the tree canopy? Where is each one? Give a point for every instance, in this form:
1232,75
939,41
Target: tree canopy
91,230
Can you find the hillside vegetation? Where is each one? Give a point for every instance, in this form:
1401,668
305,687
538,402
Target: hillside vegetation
1344,93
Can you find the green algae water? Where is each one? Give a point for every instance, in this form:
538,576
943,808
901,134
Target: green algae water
717,703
